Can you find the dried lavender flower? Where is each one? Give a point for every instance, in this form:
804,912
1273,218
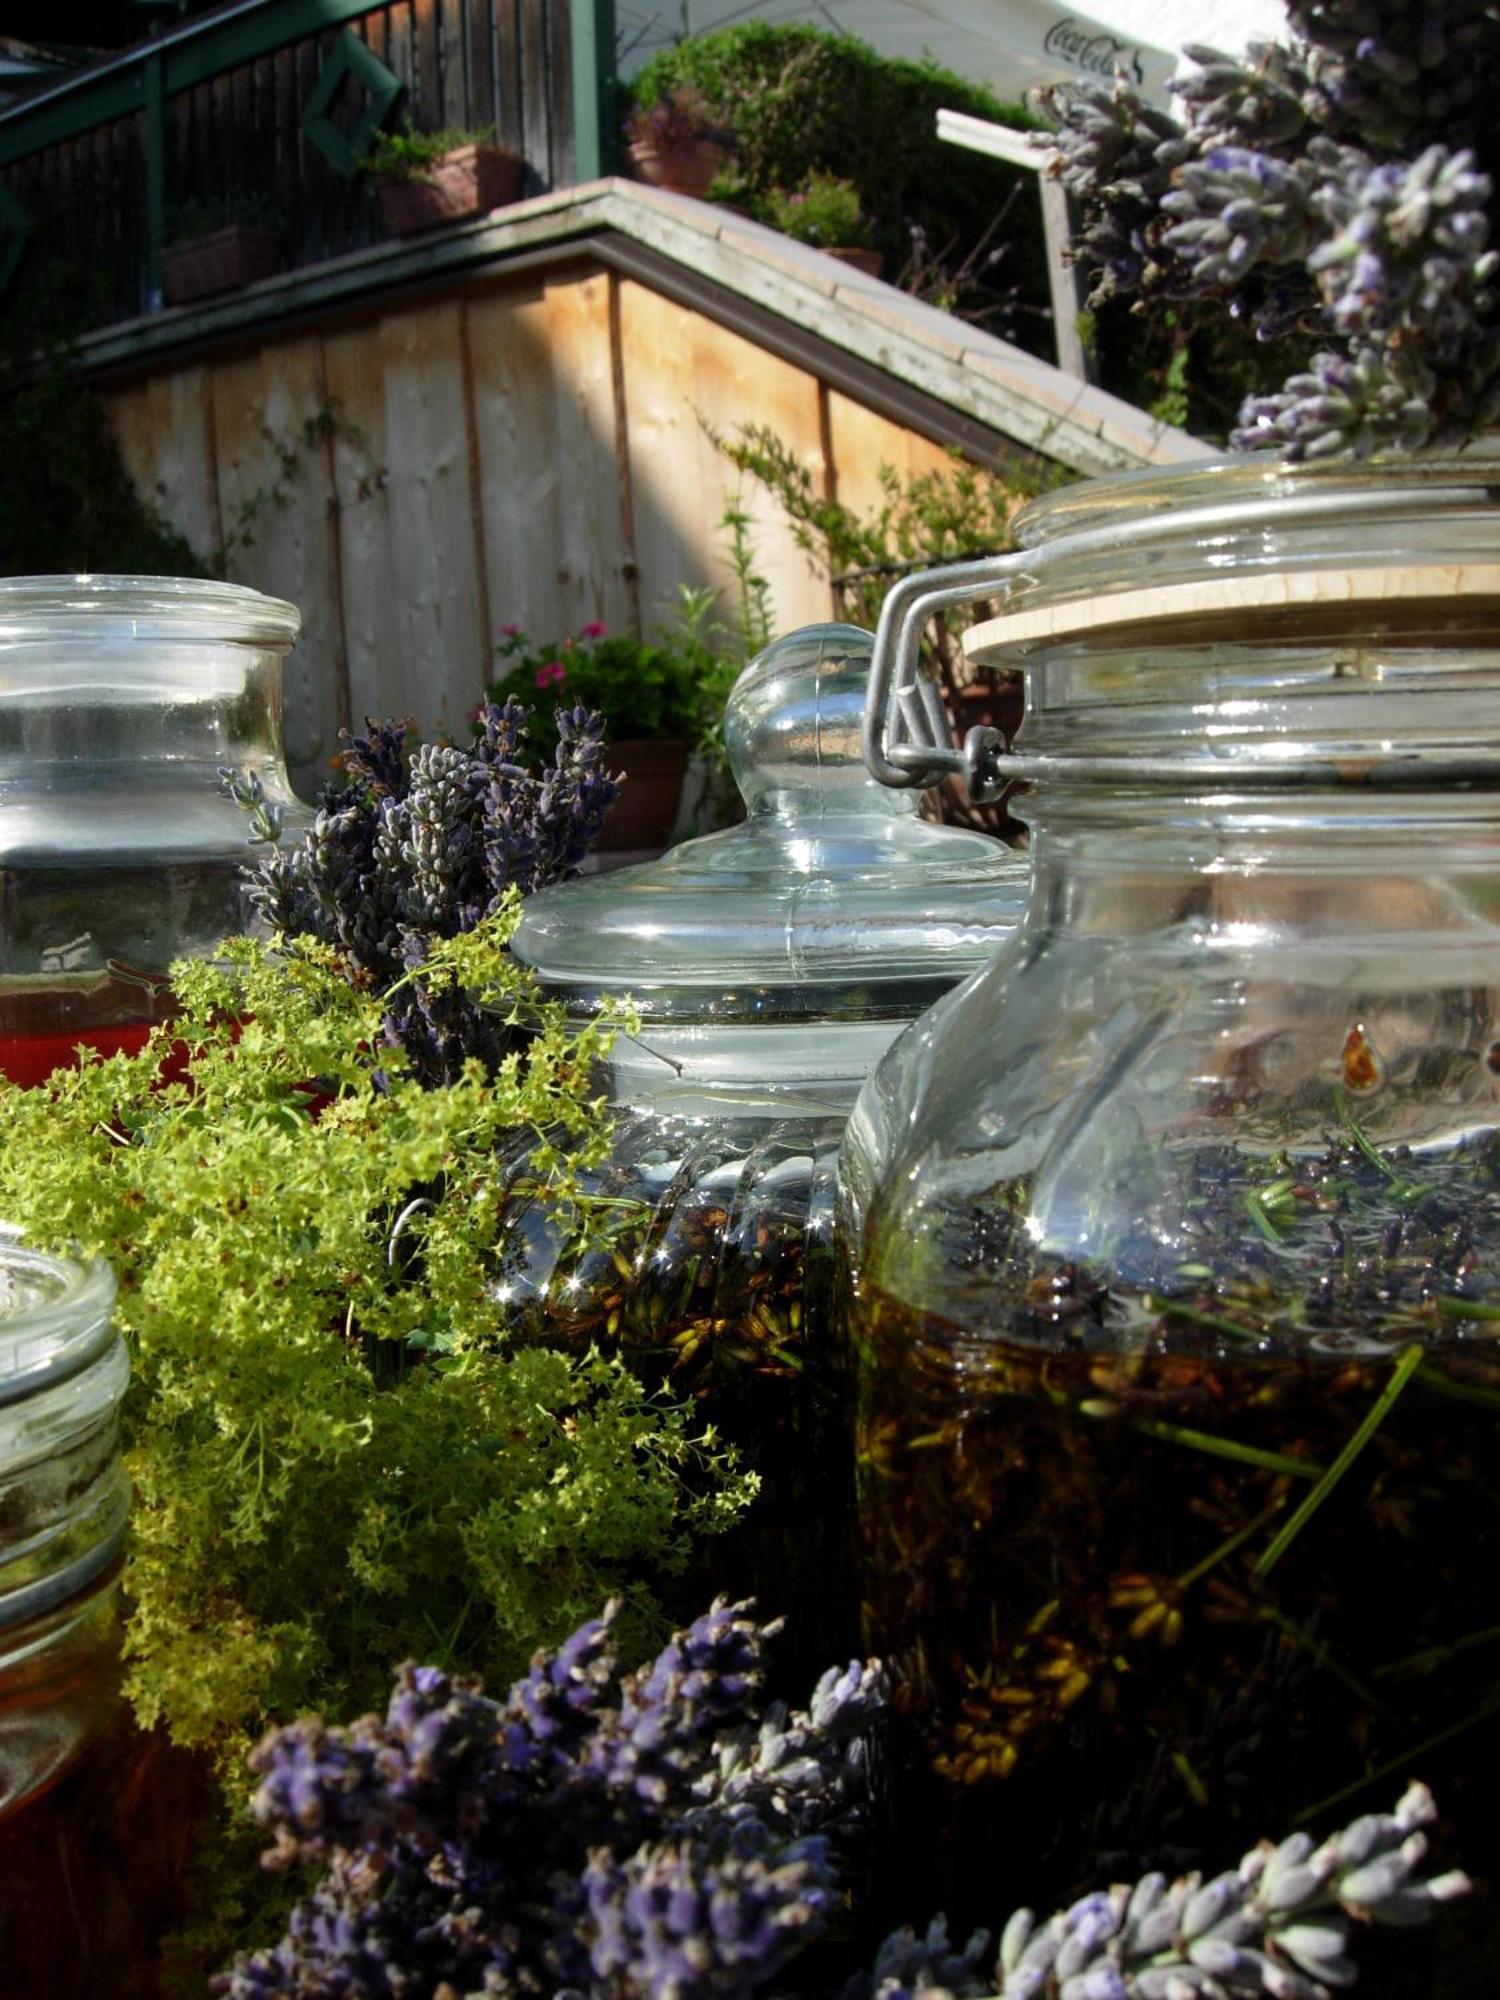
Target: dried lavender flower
1279,1924
596,1833
411,845
1343,185
655,1837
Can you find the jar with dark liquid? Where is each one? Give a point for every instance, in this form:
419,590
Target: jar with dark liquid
92,1836
1174,1234
121,699
768,965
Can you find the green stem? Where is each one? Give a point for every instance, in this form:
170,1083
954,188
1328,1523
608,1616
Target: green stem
1456,1308
1401,1374
1409,1190
1255,1209
1196,1790
1180,1309
1429,1377
1436,1656
1227,1549
1316,1650
1405,1761
1221,1447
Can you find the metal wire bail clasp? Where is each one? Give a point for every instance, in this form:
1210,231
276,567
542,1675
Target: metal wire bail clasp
906,739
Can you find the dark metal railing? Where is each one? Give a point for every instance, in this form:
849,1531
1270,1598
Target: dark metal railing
260,111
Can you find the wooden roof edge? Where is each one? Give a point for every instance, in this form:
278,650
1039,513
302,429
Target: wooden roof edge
989,380
945,378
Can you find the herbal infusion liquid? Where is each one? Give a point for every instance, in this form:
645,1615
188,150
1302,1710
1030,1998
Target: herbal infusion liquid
91,1835
1173,1236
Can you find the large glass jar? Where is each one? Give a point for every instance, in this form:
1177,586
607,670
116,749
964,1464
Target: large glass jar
121,698
770,965
1175,1231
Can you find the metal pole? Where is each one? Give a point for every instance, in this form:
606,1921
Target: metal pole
156,176
593,35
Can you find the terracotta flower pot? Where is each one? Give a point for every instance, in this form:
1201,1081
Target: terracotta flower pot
643,816
680,169
221,262
469,181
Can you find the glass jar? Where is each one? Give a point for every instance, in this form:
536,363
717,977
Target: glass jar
770,965
120,700
1175,1232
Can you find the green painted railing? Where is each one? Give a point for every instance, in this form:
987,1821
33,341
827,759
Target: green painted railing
254,103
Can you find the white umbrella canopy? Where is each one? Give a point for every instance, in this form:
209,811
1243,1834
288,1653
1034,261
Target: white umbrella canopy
1010,45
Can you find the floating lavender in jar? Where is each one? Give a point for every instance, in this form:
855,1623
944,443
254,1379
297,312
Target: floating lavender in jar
1175,1233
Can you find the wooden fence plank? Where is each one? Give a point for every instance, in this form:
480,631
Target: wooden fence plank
508,81
589,552
455,113
479,62
273,494
515,423
353,373
861,442
683,371
534,54
429,82
164,439
442,648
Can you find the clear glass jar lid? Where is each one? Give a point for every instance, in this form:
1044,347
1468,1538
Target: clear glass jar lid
64,1495
143,607
833,901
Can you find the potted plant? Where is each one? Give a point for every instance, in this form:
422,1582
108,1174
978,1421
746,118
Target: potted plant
217,246
824,211
425,179
674,143
657,704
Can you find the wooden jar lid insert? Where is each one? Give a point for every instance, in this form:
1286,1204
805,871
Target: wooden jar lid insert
1311,590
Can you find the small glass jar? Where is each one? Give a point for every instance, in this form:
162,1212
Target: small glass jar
1175,1232
121,698
770,965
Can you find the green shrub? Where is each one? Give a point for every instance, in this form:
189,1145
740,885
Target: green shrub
824,210
799,102
67,504
406,155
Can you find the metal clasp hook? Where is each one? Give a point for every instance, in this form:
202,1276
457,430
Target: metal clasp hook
906,739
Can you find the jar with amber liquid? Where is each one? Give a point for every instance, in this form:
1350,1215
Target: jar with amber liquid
1174,1233
92,1831
122,699
768,966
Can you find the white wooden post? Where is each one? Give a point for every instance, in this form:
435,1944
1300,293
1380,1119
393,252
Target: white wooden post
1002,143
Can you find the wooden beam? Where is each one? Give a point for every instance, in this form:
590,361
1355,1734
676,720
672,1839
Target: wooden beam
1001,142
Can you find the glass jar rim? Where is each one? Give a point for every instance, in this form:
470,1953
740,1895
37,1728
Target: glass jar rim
150,606
1176,492
63,1321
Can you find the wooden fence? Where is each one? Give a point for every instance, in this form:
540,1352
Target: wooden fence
526,449
262,111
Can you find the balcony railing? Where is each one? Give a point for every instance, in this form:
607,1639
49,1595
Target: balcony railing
261,110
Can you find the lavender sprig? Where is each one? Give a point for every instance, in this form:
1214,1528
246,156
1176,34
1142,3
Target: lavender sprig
1344,186
413,845
1280,1924
607,1835
653,1837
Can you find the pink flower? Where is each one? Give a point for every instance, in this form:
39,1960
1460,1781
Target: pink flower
553,674
510,631
593,631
